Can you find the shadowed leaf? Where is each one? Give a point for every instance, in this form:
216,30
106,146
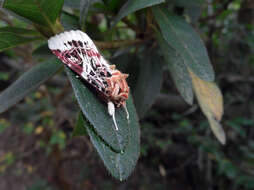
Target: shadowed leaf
149,82
97,114
19,31
84,7
43,52
178,70
133,5
79,128
184,3
27,83
120,165
12,36
69,21
183,38
41,12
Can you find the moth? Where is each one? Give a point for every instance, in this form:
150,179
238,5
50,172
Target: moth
78,52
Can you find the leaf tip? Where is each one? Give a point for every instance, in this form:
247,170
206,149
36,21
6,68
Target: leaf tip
217,130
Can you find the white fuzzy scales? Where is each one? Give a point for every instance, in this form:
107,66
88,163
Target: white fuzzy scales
57,41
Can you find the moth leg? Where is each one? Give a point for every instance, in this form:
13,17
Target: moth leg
126,111
111,111
113,67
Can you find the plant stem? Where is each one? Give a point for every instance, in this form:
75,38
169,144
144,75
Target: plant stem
117,44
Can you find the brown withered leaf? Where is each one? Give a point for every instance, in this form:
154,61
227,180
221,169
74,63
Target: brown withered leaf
211,103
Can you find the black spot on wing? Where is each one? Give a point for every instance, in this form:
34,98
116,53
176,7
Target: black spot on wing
80,43
108,74
91,73
74,43
102,74
67,55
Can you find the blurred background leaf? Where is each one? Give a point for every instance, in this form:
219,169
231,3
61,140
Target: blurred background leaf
182,37
43,12
28,83
149,83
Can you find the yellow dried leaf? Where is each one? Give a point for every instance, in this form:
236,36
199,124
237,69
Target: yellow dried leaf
211,103
38,130
38,95
29,168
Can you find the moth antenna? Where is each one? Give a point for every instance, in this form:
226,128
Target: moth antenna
111,111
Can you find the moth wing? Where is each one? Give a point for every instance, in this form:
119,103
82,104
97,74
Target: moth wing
76,50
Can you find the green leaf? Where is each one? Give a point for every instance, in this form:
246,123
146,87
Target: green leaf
84,7
238,128
178,70
69,21
43,52
19,31
44,12
183,38
97,114
133,5
79,129
184,3
27,83
10,39
149,82
113,5
120,165
74,4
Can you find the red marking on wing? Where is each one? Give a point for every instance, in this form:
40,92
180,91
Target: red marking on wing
72,65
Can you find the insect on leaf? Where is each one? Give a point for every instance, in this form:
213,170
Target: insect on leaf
86,66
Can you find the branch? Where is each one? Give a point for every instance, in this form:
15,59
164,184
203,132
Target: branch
118,43
131,25
217,13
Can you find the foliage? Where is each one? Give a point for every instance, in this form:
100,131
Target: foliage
145,39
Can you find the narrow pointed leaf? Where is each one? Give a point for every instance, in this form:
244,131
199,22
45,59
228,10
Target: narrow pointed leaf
211,103
84,7
178,70
19,31
10,39
43,52
97,114
119,165
74,4
183,38
149,83
27,83
69,21
217,129
39,11
184,3
133,5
